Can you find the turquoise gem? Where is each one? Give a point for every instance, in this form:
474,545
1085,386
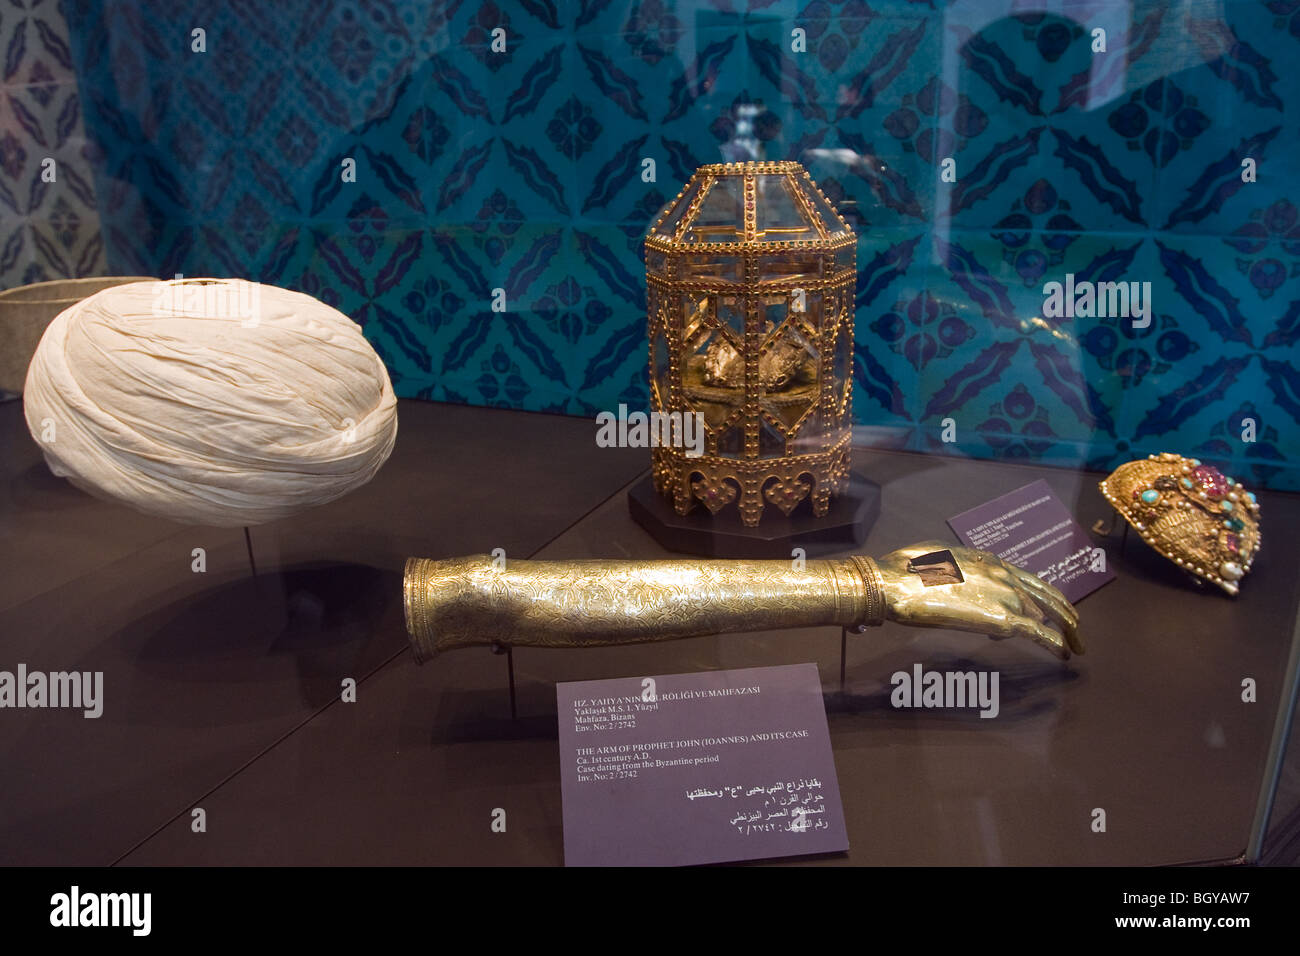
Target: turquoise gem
1150,496
1194,461
1251,496
1230,481
1226,505
1187,482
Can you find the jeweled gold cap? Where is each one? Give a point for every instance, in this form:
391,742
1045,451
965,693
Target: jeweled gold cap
1193,514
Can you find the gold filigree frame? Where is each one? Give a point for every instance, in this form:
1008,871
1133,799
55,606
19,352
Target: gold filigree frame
763,445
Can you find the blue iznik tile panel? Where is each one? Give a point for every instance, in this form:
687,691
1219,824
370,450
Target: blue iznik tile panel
982,148
49,224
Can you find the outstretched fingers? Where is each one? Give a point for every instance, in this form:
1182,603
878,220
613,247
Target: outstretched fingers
1013,619
1040,633
1054,605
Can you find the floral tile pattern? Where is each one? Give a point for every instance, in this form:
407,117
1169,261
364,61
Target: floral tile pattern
982,149
49,222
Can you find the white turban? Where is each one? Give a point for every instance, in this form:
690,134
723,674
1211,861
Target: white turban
210,401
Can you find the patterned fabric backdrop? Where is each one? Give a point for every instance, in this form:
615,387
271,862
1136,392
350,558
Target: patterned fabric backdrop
48,229
521,170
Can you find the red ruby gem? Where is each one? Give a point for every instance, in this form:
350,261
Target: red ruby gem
1211,480
1233,542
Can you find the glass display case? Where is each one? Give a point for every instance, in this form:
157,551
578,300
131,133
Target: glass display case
1076,245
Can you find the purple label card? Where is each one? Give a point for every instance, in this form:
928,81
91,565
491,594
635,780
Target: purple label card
1032,529
680,769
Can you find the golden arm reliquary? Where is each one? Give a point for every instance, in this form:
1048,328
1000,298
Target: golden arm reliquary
481,600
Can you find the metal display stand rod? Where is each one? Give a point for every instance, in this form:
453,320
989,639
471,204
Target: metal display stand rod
509,652
248,543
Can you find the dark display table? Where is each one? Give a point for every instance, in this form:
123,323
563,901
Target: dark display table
222,691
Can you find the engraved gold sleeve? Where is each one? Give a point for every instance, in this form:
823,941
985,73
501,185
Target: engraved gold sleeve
476,600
